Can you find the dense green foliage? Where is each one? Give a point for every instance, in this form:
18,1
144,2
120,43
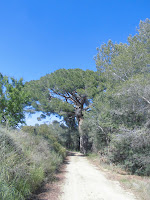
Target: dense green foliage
131,149
119,121
13,99
63,91
26,161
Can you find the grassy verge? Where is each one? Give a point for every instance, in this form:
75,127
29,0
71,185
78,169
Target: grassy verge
26,161
140,186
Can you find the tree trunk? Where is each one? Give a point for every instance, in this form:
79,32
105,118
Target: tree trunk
83,139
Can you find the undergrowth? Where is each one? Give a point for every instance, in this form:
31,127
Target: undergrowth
26,161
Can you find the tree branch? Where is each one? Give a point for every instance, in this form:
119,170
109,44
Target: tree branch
145,100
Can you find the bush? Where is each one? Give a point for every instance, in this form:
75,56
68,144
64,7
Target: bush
46,131
26,161
132,150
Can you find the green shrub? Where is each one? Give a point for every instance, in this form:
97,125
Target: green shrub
26,161
131,149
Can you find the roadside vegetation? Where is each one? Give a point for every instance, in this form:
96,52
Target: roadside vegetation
26,161
118,124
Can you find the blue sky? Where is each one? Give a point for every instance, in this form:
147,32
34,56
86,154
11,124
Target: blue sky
41,36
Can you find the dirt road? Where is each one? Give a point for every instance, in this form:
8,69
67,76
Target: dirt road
85,182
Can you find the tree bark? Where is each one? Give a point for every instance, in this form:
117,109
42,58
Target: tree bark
83,138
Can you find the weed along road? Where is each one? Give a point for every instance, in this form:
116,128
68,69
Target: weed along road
84,181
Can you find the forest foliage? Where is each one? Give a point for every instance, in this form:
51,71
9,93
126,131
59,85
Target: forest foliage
13,100
118,124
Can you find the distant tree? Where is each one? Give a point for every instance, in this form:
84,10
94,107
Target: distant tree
66,93
13,99
29,129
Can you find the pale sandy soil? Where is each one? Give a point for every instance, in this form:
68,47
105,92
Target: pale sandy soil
83,181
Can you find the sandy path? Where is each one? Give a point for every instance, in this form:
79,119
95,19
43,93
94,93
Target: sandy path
85,182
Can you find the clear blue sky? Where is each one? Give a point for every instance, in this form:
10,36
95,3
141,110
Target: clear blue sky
40,36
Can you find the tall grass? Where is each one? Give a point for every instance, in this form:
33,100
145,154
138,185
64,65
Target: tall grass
26,161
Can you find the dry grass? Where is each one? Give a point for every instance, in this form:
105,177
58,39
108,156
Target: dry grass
26,161
139,185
